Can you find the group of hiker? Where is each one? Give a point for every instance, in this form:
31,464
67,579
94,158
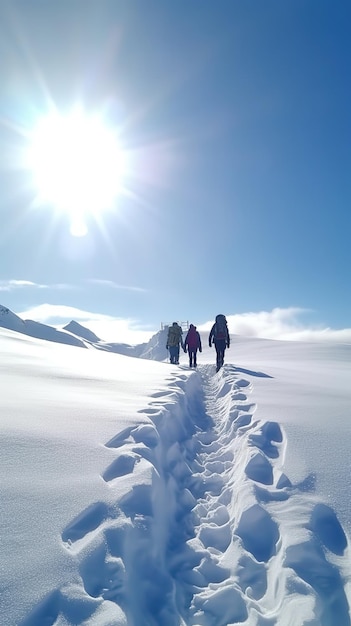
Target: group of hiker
219,336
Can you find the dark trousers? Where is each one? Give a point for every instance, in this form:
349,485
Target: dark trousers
220,346
192,356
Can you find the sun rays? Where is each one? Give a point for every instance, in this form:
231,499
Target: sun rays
77,164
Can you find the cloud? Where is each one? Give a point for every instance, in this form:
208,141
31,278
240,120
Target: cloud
10,285
106,327
113,285
284,324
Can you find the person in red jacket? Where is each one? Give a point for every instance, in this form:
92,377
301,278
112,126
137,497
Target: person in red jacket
192,343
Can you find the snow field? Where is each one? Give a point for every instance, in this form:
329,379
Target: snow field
202,534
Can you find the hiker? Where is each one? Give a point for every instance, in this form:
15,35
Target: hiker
193,344
220,336
174,339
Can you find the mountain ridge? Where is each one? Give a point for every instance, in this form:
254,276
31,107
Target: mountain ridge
80,336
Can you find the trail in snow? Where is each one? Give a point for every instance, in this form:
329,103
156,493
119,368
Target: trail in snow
202,536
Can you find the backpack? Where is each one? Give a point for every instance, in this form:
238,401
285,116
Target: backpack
174,335
220,329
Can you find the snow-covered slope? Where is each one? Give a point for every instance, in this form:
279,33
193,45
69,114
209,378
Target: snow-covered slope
10,320
155,349
77,335
143,494
81,331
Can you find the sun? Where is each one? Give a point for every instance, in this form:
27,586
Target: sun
77,164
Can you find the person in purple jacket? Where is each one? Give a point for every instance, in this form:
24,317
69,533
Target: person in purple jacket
192,343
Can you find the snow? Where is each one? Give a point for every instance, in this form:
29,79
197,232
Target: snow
139,493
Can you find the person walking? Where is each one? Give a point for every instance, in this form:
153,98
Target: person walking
192,343
220,336
174,340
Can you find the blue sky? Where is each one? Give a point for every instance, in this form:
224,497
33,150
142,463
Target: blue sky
236,120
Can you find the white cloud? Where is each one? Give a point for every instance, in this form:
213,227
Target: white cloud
10,285
281,324
284,324
113,285
107,327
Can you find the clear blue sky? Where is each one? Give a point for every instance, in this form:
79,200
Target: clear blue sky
236,117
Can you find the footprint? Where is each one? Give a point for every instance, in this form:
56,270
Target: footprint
212,535
327,528
71,605
239,397
243,420
150,410
159,394
309,563
210,569
103,575
242,383
218,515
260,469
85,522
137,502
223,391
249,408
91,570
258,532
270,431
123,465
120,439
147,434
270,495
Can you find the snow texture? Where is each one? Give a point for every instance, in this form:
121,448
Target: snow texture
138,493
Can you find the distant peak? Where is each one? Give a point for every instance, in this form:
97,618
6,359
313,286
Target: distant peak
7,314
81,331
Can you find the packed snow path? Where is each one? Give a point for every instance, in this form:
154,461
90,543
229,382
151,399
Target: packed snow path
202,535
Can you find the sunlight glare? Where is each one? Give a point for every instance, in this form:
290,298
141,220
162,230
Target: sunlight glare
77,165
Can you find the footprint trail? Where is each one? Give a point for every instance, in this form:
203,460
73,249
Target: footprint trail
202,534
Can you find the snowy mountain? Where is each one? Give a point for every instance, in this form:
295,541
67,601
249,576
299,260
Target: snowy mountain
76,335
138,493
10,320
80,331
155,349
